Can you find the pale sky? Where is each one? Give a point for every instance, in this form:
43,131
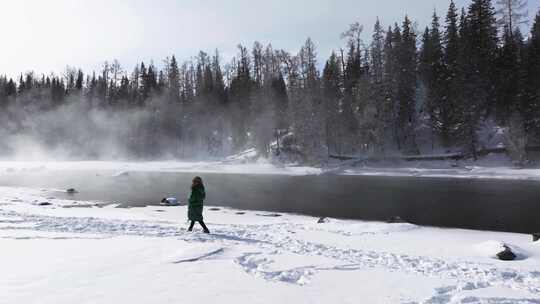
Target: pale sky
45,36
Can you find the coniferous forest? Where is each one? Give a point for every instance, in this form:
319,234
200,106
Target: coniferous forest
406,90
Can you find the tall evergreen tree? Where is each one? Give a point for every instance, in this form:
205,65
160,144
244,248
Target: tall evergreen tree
173,81
532,82
377,91
352,73
240,97
307,110
79,81
510,94
433,73
479,50
452,77
509,82
331,84
144,88
406,89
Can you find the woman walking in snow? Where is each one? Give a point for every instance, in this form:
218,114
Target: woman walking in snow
195,205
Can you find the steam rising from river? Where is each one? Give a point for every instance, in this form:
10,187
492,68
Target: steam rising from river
36,130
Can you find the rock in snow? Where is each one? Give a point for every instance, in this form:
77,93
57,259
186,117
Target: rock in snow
322,220
536,236
501,251
170,201
506,254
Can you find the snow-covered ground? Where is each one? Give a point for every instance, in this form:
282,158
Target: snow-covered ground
473,171
54,254
227,166
489,167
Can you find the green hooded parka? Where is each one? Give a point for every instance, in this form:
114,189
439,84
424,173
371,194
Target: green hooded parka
195,203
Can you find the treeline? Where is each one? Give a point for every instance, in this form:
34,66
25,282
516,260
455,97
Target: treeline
405,90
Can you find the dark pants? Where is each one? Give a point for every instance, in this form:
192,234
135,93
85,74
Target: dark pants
205,229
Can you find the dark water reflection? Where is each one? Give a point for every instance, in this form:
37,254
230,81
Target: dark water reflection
467,203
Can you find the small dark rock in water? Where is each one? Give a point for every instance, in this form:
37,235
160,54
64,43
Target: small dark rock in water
536,237
322,220
506,254
240,213
71,191
44,204
396,219
270,215
214,209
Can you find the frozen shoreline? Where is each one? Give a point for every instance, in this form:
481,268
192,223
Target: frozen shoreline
434,170
469,172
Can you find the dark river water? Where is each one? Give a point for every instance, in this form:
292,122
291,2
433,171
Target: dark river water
504,205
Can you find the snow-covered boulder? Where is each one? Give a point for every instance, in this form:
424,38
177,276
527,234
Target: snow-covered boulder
507,254
501,251
170,201
323,220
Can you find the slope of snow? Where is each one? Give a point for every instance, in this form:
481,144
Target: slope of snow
52,254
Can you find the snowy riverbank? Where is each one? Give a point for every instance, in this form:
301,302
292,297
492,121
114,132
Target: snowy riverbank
53,254
486,169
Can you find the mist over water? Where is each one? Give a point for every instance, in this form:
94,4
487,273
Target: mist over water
76,130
